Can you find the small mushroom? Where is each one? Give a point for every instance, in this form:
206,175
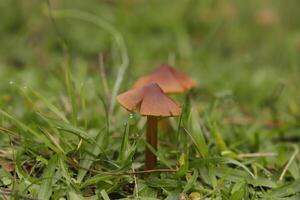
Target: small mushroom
150,101
168,78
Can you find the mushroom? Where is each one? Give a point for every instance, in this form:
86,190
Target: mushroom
168,78
150,101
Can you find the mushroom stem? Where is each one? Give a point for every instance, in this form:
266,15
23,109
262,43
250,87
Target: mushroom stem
151,139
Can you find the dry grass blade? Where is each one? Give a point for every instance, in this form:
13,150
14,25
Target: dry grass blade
289,163
9,132
257,155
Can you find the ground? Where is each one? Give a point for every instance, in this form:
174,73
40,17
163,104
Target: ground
64,135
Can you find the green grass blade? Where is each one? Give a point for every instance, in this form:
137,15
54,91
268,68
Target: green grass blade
198,142
191,182
71,90
95,150
46,188
95,180
104,195
75,196
50,106
124,145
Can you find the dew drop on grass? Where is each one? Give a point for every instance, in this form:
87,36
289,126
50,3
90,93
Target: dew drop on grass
131,119
11,82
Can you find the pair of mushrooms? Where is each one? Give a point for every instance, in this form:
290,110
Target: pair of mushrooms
148,97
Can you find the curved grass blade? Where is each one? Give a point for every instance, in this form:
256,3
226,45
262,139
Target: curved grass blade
101,23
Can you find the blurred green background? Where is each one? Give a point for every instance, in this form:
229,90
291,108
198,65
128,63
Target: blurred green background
227,44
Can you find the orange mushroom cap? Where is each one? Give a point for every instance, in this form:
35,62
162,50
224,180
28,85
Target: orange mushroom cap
149,100
168,78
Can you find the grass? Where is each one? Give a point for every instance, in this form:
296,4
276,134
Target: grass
62,134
